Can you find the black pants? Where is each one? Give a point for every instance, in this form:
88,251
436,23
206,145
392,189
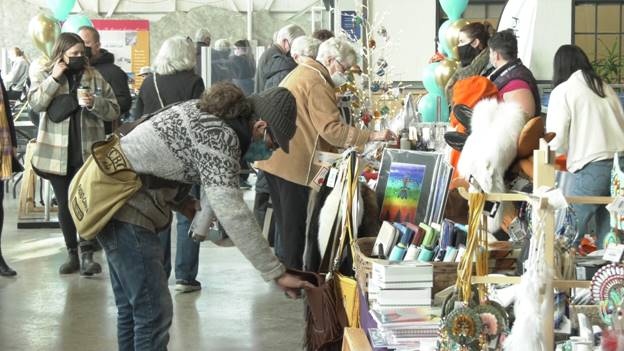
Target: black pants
290,203
60,184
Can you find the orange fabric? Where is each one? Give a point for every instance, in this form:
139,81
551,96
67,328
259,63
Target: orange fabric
468,92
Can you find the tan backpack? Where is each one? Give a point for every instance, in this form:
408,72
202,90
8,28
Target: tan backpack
101,187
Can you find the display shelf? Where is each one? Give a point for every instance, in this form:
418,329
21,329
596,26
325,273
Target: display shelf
544,175
560,284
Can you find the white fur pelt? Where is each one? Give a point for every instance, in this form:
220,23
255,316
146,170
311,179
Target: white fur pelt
492,147
334,207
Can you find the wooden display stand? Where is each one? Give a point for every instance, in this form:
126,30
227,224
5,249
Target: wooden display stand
544,175
355,340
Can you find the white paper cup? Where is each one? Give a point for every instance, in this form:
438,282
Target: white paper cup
83,95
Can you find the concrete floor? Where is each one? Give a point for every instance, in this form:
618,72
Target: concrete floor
41,310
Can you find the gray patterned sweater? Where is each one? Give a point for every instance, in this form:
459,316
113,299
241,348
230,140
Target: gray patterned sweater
183,145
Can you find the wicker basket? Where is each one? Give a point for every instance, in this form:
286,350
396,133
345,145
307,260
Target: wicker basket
444,273
363,262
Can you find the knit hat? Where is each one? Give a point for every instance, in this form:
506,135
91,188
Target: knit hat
278,107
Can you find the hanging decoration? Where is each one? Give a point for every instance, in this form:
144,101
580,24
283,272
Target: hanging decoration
607,289
374,96
43,31
74,22
454,8
61,8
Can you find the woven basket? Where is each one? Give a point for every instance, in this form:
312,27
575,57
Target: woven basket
444,273
363,263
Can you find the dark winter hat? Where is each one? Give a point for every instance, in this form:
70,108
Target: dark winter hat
278,107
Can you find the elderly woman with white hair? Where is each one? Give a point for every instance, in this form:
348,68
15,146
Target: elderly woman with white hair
174,80
304,46
319,128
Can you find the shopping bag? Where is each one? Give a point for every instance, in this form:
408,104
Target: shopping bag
101,187
347,287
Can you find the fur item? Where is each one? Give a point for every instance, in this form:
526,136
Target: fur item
491,147
368,222
327,218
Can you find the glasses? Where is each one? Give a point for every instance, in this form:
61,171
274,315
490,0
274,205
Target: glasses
344,69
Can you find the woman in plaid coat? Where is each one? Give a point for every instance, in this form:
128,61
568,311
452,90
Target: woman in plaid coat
67,129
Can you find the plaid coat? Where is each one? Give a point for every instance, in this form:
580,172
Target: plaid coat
51,151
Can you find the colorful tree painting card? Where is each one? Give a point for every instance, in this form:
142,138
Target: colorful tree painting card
406,180
402,192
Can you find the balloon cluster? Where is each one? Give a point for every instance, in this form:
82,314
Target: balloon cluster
437,74
44,29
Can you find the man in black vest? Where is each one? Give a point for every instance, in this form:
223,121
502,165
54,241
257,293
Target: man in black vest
514,81
104,62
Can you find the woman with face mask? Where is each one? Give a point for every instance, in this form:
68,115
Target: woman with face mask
473,39
15,79
319,128
73,101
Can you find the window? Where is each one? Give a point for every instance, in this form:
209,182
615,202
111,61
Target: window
598,31
485,10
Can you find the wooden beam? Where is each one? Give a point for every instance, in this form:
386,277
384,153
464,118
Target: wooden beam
112,8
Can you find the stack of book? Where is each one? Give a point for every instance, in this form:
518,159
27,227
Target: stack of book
406,284
413,328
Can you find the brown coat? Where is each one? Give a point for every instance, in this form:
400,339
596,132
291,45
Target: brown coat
318,125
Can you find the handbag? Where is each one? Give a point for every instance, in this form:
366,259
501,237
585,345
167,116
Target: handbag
334,304
101,187
62,107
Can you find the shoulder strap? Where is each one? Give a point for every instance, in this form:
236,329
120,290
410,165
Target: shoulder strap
162,105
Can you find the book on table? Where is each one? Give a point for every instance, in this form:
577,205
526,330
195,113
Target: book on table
402,272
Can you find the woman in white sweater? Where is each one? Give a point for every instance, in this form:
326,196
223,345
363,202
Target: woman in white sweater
587,117
15,79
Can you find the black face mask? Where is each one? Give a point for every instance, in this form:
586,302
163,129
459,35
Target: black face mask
88,53
467,53
76,64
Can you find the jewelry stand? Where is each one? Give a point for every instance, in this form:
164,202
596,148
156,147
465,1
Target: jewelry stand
544,175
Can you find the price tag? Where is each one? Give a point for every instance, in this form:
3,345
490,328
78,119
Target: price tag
614,253
320,177
331,178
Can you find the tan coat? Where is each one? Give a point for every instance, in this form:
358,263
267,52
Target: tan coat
318,125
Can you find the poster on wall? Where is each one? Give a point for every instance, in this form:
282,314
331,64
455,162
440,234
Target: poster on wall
349,25
128,40
521,15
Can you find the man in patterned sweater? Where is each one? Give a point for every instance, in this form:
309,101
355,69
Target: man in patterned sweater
187,143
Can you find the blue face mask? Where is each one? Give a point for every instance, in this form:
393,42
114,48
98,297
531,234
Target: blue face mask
258,151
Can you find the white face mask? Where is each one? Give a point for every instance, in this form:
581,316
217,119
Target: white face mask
339,79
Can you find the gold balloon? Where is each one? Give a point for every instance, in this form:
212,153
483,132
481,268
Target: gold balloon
444,71
43,31
452,36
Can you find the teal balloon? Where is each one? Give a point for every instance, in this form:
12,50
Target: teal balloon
427,106
443,47
74,22
61,8
429,80
454,8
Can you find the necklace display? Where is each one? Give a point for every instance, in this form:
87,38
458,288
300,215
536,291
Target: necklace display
470,321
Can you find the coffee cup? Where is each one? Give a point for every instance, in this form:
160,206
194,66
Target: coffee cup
83,93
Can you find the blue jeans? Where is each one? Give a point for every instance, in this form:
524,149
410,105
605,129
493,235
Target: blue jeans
593,180
144,307
187,250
